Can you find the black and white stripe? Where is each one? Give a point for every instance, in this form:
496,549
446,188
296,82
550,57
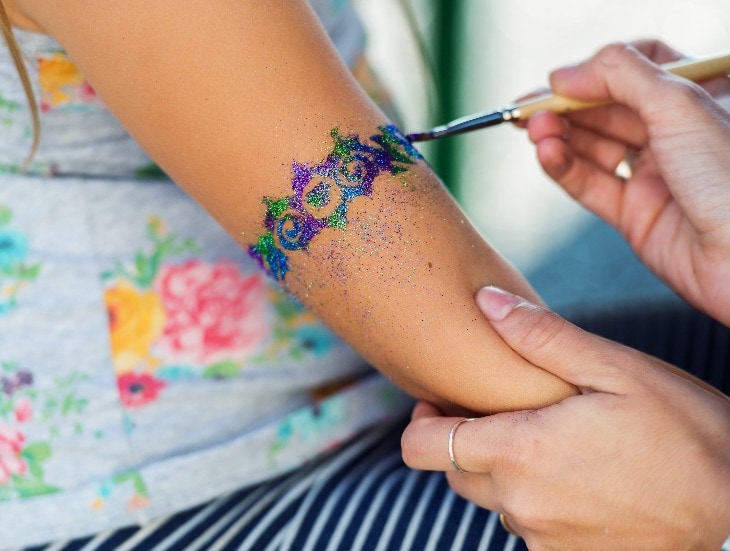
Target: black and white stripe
364,498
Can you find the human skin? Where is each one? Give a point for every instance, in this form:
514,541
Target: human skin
674,209
640,460
225,95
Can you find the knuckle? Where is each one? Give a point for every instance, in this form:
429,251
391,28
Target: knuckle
621,368
521,453
611,55
686,92
632,367
542,330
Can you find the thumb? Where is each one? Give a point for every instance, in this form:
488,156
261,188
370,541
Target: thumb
550,342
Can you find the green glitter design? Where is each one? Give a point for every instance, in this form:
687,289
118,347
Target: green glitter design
318,198
349,171
277,207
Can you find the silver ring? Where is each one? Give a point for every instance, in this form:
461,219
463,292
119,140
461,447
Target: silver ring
451,443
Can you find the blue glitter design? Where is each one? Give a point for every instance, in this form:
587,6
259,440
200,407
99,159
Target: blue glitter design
347,173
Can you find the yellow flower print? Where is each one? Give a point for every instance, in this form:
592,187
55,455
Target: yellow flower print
61,82
156,225
136,320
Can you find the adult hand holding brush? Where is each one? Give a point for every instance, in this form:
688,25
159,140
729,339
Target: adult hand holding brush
641,458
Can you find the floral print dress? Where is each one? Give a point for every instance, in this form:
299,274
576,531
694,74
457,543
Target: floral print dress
146,363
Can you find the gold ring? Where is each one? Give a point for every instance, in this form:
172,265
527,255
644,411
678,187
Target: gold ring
451,443
506,526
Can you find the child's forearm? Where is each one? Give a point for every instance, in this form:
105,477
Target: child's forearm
368,238
248,108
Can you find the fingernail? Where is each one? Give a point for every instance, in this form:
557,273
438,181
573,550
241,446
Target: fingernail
565,72
495,303
561,75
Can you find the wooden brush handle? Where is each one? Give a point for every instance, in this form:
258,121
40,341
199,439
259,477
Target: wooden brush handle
694,70
700,69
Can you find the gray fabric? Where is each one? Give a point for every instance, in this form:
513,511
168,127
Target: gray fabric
146,362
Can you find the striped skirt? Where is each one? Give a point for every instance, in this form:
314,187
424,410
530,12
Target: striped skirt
362,497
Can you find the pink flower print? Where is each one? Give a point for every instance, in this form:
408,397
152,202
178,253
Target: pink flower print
214,312
23,410
138,389
87,93
11,442
137,502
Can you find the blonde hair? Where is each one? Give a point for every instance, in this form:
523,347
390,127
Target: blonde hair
17,57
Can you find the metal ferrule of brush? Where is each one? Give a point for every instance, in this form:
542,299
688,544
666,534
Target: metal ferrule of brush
466,124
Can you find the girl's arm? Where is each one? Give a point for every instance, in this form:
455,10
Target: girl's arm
246,105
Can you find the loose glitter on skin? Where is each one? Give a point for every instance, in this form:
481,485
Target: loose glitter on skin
322,193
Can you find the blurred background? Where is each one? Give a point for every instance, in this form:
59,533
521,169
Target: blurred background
478,55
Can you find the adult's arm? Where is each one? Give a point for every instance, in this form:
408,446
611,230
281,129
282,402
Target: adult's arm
640,460
674,208
226,95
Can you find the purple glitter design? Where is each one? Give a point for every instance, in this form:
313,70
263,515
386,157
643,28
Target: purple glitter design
347,173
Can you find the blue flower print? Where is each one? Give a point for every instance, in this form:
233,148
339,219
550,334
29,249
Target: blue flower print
13,249
15,273
314,339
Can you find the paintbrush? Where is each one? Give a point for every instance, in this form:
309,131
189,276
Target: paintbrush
691,69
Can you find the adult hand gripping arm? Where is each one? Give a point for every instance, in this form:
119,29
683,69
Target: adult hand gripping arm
639,460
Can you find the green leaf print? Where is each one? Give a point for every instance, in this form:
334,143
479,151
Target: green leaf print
145,275
40,451
136,480
8,107
30,406
222,370
6,215
151,171
29,487
34,455
147,264
30,481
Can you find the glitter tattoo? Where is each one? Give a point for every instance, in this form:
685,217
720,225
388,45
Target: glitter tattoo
322,193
